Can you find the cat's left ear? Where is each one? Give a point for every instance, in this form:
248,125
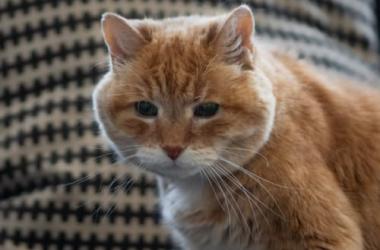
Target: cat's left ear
122,38
235,37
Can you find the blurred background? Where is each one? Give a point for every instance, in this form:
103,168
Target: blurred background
60,186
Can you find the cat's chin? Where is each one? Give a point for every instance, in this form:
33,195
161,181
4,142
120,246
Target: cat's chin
169,171
175,175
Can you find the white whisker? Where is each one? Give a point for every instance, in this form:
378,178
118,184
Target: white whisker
251,197
228,204
77,181
253,175
254,152
204,174
257,179
231,192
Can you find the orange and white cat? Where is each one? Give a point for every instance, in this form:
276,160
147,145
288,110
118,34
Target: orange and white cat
253,149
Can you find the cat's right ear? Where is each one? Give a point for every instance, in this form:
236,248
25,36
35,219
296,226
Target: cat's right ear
122,39
235,37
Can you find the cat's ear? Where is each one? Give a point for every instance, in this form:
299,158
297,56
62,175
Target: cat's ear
122,39
235,36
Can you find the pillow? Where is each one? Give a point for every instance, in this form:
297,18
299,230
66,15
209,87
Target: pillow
60,187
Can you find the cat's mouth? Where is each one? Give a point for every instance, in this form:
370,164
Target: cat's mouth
190,162
168,169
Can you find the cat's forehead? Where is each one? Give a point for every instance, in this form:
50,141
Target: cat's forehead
173,72
174,64
180,43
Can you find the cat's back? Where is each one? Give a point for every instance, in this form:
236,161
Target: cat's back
355,154
349,106
349,113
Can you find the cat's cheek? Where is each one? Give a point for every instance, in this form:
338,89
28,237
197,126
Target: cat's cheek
133,128
198,159
136,127
207,133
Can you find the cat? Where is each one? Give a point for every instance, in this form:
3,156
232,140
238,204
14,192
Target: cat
252,148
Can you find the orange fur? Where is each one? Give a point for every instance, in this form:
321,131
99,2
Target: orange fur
314,184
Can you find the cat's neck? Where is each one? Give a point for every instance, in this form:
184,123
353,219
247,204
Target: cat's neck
189,186
186,195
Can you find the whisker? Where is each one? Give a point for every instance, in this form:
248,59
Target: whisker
77,181
231,191
123,94
253,175
110,210
98,157
127,185
111,152
130,147
238,184
254,152
204,174
248,194
255,178
229,206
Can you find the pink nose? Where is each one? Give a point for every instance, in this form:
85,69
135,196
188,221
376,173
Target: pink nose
173,151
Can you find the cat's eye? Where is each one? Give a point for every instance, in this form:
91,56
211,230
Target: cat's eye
206,110
146,108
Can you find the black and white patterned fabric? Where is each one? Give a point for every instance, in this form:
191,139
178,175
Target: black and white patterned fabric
60,187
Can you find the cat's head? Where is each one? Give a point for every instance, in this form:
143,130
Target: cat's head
183,95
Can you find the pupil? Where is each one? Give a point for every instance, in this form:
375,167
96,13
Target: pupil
206,109
146,108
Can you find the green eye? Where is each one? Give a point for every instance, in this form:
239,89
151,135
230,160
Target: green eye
146,108
206,110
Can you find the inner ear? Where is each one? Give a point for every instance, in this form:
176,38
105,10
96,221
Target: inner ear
122,39
235,37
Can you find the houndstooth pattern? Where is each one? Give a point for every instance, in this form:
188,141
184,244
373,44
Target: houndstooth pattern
60,187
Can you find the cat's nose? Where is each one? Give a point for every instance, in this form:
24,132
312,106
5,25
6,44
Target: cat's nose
173,151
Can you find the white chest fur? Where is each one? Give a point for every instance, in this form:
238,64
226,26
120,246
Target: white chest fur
179,201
